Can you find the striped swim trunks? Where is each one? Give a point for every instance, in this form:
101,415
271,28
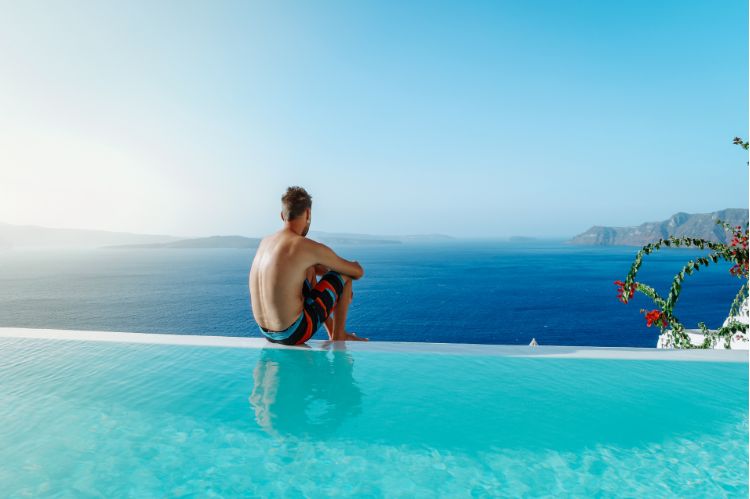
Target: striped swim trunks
318,305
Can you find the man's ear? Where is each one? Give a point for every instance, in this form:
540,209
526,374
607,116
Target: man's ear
282,215
309,213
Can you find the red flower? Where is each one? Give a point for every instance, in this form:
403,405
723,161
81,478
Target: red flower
738,238
654,316
621,289
739,269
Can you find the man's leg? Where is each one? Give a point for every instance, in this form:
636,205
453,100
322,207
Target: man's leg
312,278
340,312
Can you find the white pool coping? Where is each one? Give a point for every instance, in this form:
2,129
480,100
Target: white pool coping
555,351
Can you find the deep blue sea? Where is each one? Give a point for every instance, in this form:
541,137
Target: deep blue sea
462,291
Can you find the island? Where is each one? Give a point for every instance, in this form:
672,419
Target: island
697,225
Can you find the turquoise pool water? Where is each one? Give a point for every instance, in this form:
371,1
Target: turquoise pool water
95,419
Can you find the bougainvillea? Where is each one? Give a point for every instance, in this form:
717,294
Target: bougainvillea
736,253
653,316
664,316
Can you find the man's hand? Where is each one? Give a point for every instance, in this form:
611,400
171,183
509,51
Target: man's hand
326,257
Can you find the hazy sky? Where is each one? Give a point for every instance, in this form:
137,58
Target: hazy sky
464,118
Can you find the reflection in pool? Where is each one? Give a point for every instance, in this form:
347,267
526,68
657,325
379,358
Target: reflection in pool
304,392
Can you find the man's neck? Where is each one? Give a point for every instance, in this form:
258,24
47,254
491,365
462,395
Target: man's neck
297,228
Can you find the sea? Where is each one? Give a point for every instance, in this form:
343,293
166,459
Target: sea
460,291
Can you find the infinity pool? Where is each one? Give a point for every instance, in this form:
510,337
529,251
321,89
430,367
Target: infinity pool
142,419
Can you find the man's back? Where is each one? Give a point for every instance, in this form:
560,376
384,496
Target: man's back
277,277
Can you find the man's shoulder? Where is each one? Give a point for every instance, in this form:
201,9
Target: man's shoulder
306,244
275,236
294,242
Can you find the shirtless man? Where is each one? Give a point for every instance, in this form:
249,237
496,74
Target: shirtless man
288,302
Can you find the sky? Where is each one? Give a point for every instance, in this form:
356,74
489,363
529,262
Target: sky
472,119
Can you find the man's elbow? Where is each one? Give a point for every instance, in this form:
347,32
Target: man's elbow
359,273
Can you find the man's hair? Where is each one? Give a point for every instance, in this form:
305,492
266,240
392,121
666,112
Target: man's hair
294,202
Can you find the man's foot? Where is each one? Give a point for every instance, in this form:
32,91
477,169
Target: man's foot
350,337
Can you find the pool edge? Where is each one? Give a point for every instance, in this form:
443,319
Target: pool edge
557,351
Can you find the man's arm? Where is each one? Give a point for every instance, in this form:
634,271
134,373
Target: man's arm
325,256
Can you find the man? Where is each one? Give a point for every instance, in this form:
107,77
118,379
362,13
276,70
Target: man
288,303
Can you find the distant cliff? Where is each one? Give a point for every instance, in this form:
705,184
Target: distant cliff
699,225
236,242
348,238
32,236
20,237
252,242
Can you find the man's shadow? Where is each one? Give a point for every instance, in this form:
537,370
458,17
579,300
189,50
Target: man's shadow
304,392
